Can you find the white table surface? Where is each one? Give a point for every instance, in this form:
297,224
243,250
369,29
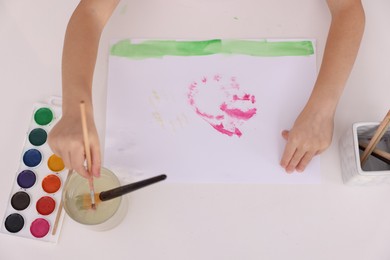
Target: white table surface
215,221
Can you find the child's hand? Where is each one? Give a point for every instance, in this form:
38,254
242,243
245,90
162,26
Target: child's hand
66,140
310,135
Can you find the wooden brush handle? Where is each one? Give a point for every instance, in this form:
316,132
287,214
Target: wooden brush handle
376,138
381,155
116,192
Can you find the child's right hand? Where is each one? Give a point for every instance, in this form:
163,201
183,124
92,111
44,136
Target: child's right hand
66,140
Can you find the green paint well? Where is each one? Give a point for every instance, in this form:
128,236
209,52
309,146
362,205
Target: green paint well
37,136
161,48
43,116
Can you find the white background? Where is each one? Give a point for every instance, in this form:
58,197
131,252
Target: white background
172,221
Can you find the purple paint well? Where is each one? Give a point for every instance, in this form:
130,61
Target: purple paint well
26,179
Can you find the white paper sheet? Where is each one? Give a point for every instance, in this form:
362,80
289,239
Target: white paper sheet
211,119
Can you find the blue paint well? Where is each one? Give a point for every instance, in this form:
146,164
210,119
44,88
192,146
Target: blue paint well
32,157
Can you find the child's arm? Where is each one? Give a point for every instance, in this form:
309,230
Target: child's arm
78,62
313,129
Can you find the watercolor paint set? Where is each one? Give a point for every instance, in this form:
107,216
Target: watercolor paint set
36,192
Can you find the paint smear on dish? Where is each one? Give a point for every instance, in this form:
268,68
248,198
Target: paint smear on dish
220,102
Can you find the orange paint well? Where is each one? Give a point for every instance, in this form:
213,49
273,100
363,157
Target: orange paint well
51,183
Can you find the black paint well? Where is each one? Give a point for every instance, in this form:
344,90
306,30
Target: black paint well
14,223
20,200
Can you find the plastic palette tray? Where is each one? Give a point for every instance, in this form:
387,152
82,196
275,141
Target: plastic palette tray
35,198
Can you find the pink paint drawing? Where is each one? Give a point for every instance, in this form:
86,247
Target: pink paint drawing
221,103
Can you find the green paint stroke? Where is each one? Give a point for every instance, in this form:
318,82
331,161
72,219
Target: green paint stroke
161,48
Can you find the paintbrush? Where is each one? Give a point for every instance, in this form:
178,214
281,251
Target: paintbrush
377,153
61,206
375,139
87,153
84,201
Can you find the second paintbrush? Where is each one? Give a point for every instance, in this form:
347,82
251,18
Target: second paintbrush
84,201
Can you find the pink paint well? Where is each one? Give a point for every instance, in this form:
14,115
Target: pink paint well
39,227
